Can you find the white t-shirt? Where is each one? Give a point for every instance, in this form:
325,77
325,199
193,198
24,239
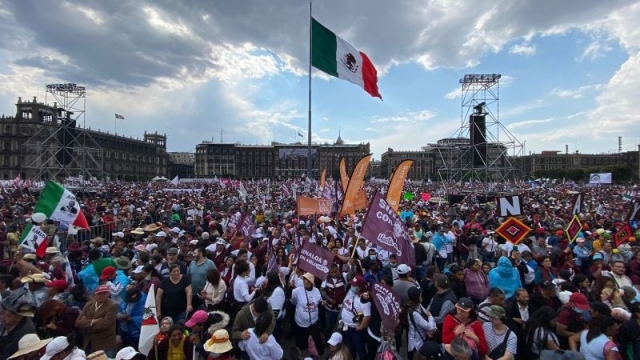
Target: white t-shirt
269,350
276,300
351,306
489,244
241,290
306,303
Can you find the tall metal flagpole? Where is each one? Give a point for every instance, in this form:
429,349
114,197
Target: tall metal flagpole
309,159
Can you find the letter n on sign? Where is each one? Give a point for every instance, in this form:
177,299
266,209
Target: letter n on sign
509,206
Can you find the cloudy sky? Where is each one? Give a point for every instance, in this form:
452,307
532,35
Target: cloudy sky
571,69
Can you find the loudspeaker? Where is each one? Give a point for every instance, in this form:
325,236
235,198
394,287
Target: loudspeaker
66,139
478,132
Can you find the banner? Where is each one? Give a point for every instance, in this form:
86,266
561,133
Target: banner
600,178
315,259
149,328
397,183
310,206
383,227
387,303
322,177
356,183
577,202
343,174
247,228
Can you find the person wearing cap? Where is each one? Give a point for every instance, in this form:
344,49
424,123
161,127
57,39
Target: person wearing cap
16,319
404,282
63,348
355,315
127,353
38,291
90,275
97,322
582,253
337,349
257,349
306,300
496,333
161,240
463,322
117,282
57,290
172,258
572,318
28,347
219,254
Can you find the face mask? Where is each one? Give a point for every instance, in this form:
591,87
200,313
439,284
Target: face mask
372,257
393,265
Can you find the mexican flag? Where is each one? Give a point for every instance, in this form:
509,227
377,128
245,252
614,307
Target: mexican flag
149,327
58,204
338,58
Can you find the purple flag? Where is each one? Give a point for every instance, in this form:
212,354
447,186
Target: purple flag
315,259
247,227
387,303
383,227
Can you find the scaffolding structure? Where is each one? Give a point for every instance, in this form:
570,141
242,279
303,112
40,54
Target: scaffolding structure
482,149
63,148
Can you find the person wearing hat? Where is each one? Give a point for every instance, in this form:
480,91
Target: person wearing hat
355,315
404,282
16,319
172,258
463,322
502,343
97,355
220,348
176,345
116,281
57,290
337,349
266,350
97,321
130,312
63,348
39,293
572,318
28,347
306,300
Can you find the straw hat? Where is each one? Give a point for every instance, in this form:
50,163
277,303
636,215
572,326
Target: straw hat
29,343
219,342
97,240
137,231
151,228
98,355
34,278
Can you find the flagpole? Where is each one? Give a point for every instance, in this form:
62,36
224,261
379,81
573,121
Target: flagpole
309,160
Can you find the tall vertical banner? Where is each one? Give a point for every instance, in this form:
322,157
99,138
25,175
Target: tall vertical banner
323,177
344,178
387,303
149,328
356,183
383,227
397,183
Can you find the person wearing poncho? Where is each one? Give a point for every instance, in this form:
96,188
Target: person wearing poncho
505,277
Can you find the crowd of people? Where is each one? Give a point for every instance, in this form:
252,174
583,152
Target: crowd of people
221,293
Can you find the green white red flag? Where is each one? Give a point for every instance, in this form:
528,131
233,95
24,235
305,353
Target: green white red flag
57,204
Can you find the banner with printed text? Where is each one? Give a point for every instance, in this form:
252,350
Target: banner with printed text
315,259
310,206
387,303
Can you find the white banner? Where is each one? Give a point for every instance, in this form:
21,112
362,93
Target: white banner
600,178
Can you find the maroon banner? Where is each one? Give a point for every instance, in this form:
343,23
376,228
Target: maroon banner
315,259
383,227
247,228
387,303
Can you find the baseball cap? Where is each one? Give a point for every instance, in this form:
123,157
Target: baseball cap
102,289
404,269
496,312
176,230
57,284
579,301
138,269
221,242
335,339
548,285
161,234
126,353
465,304
172,250
358,281
119,234
198,317
54,347
107,273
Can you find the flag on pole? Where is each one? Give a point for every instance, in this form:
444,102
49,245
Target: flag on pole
300,135
58,204
149,327
338,58
119,117
175,180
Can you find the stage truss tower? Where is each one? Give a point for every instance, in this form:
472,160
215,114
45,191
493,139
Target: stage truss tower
63,147
482,149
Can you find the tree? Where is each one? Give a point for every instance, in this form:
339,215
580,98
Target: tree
575,174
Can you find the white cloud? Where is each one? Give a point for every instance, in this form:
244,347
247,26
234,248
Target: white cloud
453,94
576,93
523,49
527,123
406,117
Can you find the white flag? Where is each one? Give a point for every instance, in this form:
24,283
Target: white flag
175,180
149,328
